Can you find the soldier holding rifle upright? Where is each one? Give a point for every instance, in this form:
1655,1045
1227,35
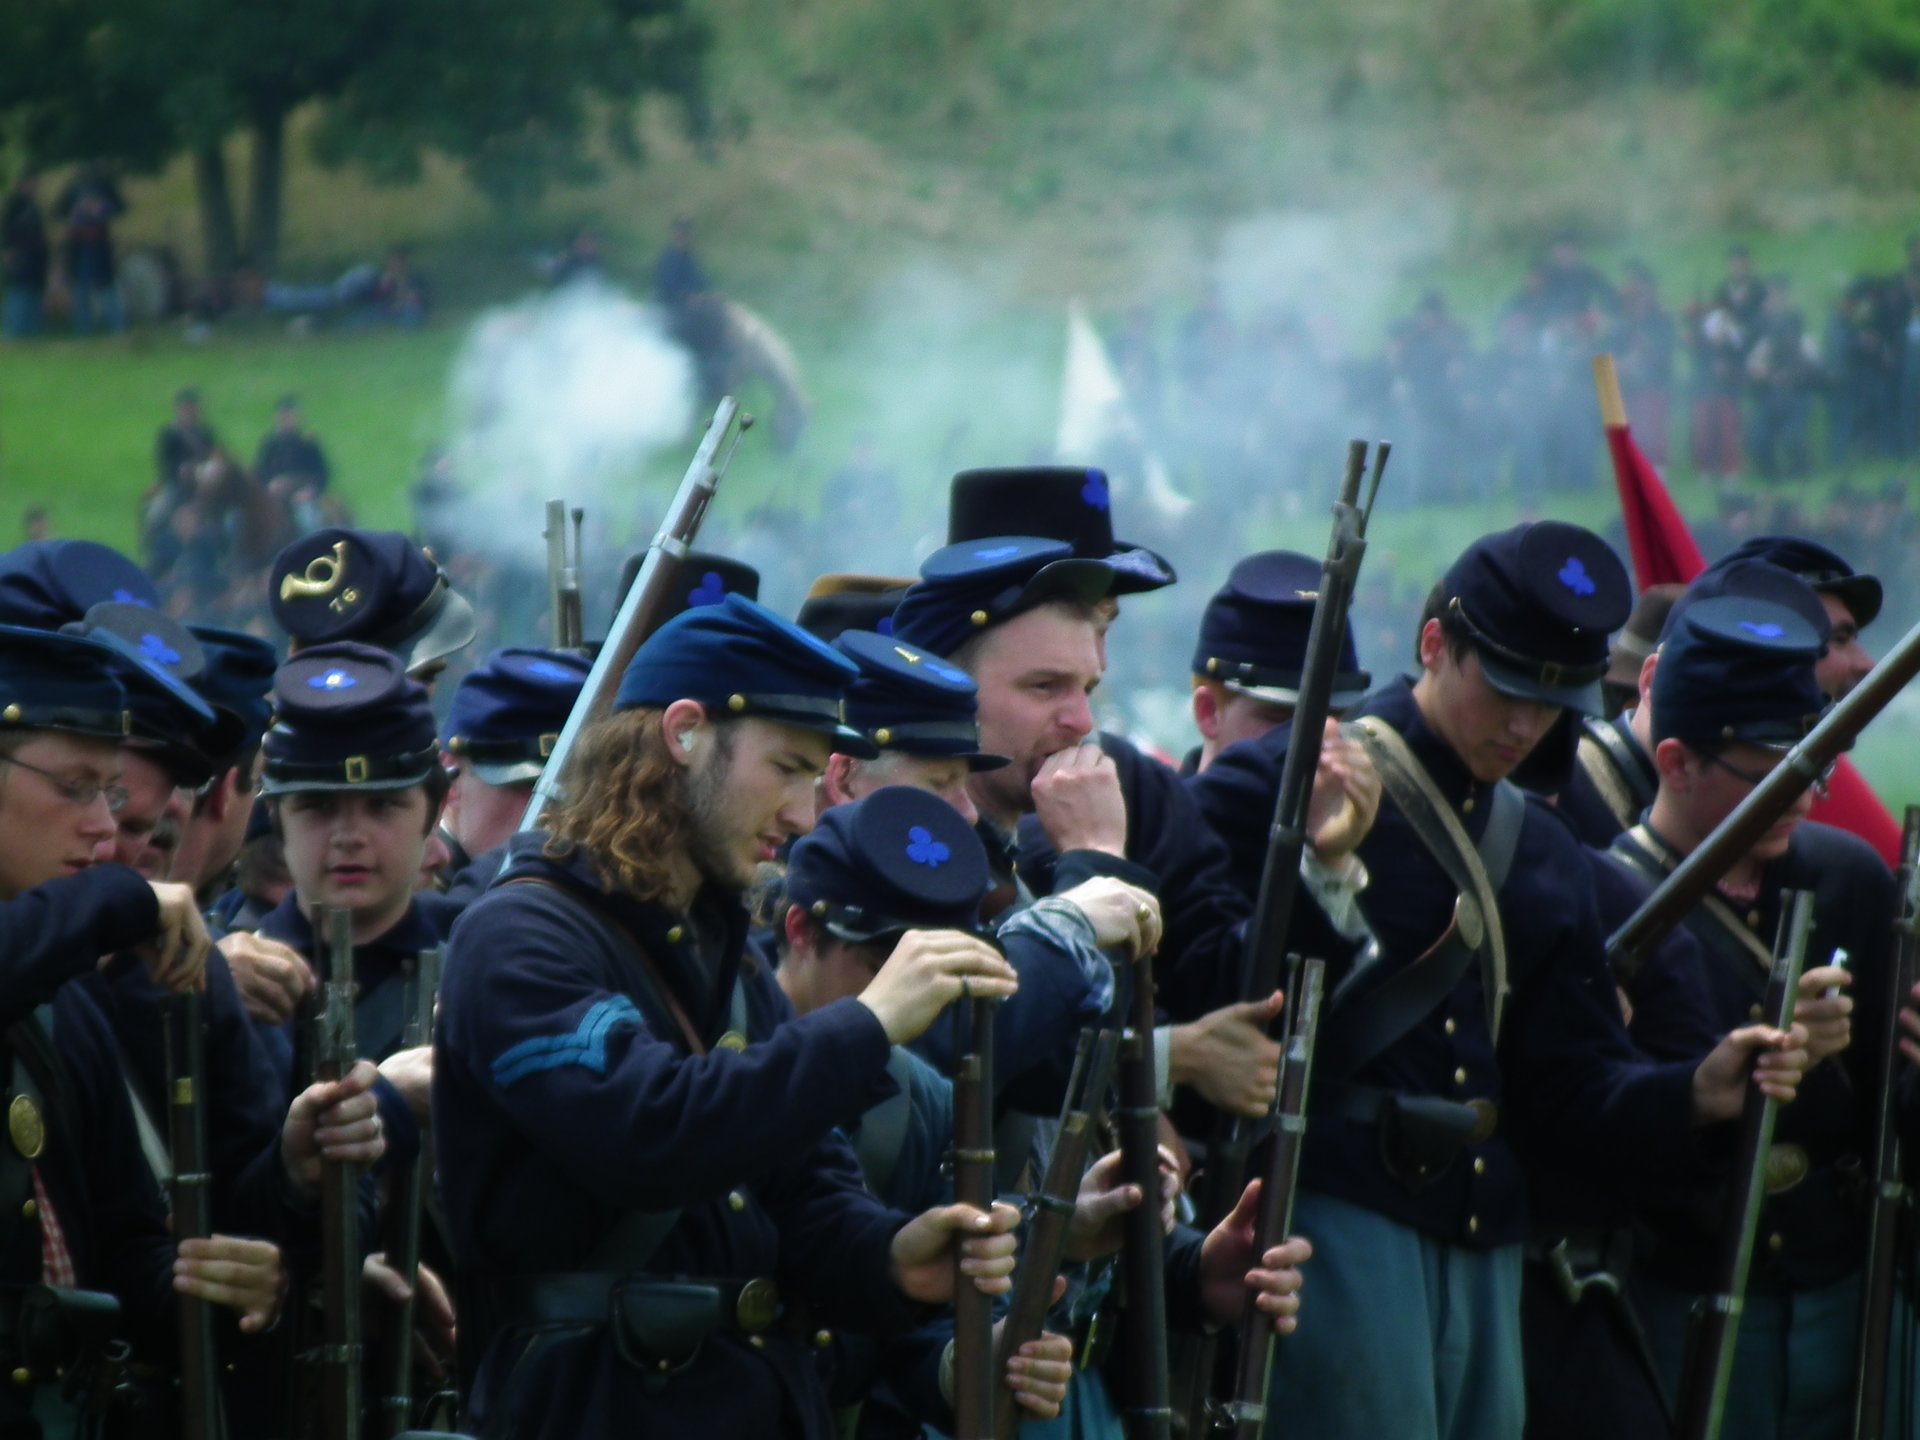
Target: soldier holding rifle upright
1735,687
1506,1034
640,1182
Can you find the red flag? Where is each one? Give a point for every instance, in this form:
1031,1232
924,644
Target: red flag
1663,552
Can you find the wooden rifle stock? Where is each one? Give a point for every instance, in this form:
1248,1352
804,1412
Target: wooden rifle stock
1147,1410
1053,1207
566,626
1887,1202
186,1051
1246,1411
1734,836
328,1019
406,1204
974,1380
640,613
1225,1171
1716,1319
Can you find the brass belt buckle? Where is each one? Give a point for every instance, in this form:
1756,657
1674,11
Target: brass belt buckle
1787,1166
758,1305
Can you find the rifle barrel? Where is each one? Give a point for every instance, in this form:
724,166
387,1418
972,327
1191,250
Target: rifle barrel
186,1051
1147,1408
334,1052
405,1207
974,1380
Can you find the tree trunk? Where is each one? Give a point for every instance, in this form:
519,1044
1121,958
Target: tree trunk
268,171
218,235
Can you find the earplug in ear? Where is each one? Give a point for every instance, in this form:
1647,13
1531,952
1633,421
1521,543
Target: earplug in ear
686,741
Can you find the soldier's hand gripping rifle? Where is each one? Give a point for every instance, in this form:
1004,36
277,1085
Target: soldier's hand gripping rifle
186,1051
1053,1205
1733,837
1225,1172
327,1019
567,629
1887,1202
1246,1411
406,1204
974,1381
1146,1408
1716,1318
641,612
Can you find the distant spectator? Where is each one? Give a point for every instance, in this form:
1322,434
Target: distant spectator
1718,343
1906,310
1643,346
581,260
1432,361
678,280
1741,295
34,525
391,293
1863,358
87,208
400,294
1574,287
290,462
1784,368
184,444
23,260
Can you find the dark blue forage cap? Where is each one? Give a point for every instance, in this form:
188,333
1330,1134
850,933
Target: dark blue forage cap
1751,580
507,715
911,702
238,678
900,859
162,666
1737,669
54,681
376,587
1060,502
50,583
703,580
347,717
738,658
1253,633
963,589
1538,603
1819,567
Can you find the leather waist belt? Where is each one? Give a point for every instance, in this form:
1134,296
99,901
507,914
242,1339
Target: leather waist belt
658,1323
1420,1135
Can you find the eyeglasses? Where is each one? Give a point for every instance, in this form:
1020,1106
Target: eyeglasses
81,792
1821,782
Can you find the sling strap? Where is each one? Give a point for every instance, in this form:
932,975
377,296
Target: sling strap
1720,930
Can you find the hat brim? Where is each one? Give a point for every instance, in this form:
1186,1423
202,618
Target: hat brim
1861,594
1585,698
1348,691
844,739
1076,579
450,631
1136,569
271,786
506,773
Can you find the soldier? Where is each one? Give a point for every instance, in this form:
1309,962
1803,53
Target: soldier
374,587
1411,1185
1734,690
1615,778
505,718
290,462
1852,601
82,1210
237,680
609,1118
1252,652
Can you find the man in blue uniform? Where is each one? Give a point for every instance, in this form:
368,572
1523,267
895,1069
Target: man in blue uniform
634,1173
1735,689
1852,601
1252,652
1506,1034
505,719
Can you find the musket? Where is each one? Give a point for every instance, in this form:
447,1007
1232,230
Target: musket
1147,1409
1702,869
1052,1208
1887,1203
563,578
186,1052
327,1017
974,1381
1246,1411
1224,1175
406,1203
1708,1369
641,612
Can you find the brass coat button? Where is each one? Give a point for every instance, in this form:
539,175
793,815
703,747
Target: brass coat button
1479,1164
736,1202
1460,1077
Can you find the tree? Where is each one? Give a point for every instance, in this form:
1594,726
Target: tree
516,91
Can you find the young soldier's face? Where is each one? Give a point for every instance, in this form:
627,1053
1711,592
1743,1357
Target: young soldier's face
481,816
44,832
939,775
1713,786
151,821
359,850
1035,673
1846,662
750,795
1490,732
